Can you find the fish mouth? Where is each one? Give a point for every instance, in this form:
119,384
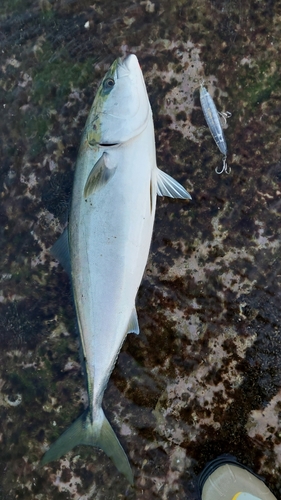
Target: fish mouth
108,144
127,65
130,62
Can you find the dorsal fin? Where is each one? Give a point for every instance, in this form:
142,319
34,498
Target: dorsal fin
167,186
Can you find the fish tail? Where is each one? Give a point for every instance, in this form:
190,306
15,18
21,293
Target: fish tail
97,432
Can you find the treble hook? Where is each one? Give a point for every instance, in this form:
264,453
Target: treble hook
225,167
225,115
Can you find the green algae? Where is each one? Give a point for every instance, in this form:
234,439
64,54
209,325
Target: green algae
257,85
12,6
29,384
53,79
57,75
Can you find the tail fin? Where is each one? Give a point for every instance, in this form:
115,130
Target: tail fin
98,433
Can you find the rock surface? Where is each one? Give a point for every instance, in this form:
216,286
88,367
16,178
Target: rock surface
204,376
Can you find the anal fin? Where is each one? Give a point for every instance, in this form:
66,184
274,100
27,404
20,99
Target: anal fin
60,250
133,325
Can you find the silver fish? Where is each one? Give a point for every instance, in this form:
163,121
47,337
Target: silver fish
108,239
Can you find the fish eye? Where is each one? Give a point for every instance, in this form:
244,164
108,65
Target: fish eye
108,83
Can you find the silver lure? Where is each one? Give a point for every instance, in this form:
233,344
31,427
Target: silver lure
213,121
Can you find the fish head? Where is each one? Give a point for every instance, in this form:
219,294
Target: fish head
121,107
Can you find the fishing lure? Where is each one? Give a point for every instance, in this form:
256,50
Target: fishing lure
213,121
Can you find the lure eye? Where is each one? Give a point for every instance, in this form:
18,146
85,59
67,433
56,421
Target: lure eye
108,83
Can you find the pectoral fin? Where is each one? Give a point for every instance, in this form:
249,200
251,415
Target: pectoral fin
100,174
167,186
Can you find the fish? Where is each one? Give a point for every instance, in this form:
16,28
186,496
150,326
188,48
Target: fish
106,244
